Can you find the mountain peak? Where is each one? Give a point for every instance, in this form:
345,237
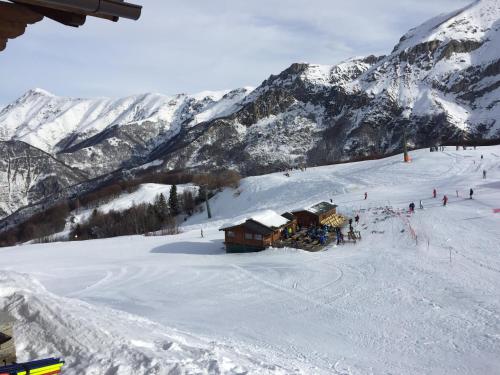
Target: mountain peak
37,92
471,22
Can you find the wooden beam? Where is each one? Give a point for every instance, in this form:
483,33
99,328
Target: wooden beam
108,9
13,12
13,21
12,30
66,18
3,43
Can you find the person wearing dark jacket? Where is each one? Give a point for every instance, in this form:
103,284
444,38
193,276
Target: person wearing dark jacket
471,192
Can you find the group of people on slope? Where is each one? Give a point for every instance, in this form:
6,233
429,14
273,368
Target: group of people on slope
340,235
434,195
445,197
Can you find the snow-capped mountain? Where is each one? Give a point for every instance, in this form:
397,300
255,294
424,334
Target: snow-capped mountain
107,132
53,123
441,83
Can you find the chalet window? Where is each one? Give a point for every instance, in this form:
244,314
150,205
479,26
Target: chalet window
231,234
258,237
248,236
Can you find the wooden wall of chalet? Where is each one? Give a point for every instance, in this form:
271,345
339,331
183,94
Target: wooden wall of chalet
242,244
308,219
238,243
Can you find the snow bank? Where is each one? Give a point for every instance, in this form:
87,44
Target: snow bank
98,340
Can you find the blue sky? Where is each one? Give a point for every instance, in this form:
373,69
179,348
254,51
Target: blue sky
195,45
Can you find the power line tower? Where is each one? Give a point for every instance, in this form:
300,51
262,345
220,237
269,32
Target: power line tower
406,157
209,213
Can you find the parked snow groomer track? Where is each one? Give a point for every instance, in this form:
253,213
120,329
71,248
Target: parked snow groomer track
49,366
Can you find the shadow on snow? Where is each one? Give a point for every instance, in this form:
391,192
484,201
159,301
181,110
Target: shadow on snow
214,247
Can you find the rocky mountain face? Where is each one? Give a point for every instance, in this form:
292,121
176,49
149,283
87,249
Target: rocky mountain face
441,82
28,175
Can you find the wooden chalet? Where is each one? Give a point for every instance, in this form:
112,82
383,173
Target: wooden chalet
255,233
16,15
322,213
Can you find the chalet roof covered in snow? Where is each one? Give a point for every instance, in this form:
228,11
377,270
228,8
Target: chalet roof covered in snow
267,218
255,227
319,208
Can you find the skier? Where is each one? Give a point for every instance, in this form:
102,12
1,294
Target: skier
337,232
471,192
366,195
457,193
322,239
484,174
356,219
412,207
434,192
481,157
201,232
421,205
445,200
331,200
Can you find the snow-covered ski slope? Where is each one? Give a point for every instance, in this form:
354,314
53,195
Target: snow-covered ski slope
391,304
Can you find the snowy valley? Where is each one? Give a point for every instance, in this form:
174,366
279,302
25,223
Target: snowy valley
180,305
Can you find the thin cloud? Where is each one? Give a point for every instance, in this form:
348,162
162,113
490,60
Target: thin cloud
196,45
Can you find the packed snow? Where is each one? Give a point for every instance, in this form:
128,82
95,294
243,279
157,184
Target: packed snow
417,295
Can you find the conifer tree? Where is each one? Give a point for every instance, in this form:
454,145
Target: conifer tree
173,200
161,207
